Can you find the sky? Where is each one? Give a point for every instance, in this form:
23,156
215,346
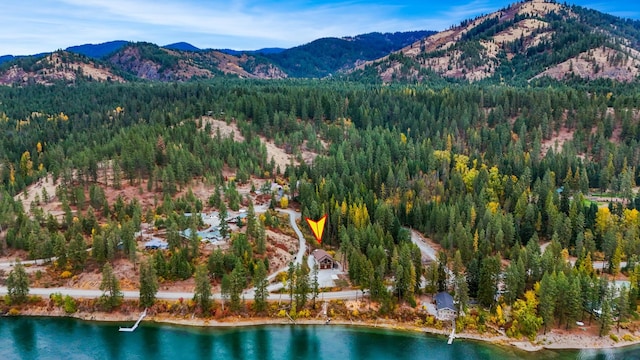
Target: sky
34,26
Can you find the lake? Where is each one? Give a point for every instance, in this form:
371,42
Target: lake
65,338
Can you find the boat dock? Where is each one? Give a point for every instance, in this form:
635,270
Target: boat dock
453,333
135,326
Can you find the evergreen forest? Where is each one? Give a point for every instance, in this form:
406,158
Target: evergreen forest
525,188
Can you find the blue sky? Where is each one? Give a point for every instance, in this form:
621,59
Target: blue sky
33,26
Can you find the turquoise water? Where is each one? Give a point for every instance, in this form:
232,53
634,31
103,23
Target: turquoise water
61,338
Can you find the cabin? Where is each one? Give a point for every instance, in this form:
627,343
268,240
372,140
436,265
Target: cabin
445,309
323,259
155,244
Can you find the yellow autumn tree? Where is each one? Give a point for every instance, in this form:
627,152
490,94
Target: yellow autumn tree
604,220
284,202
26,165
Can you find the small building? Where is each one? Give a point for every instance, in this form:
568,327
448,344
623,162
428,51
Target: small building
445,309
155,244
212,234
323,259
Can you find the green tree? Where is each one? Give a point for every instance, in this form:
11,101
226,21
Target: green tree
461,295
18,284
302,287
622,306
202,292
514,281
78,251
315,285
606,310
291,280
260,283
110,286
488,280
222,216
148,284
547,295
238,280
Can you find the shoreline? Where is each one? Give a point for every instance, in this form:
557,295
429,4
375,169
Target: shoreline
553,340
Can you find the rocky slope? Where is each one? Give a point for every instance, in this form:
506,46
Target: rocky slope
527,40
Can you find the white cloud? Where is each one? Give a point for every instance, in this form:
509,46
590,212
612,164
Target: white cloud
31,26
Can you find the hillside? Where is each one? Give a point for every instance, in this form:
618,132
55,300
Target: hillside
150,62
327,56
183,61
60,66
525,41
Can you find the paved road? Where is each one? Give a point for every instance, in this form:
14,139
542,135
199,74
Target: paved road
27,262
302,246
168,295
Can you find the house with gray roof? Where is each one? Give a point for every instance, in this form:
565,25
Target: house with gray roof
445,309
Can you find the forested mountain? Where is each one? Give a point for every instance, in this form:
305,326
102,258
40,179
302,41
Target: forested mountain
329,56
183,61
527,40
181,46
98,51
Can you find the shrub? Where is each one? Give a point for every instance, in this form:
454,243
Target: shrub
57,299
14,312
66,274
628,337
614,337
70,305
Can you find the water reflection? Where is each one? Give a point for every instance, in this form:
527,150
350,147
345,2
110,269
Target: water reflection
304,344
24,336
261,344
205,344
112,340
235,340
151,343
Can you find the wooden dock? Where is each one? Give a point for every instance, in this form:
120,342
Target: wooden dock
135,326
453,333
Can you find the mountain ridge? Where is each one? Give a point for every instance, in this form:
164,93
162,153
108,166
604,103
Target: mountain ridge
525,41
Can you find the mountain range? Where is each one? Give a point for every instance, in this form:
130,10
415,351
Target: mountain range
526,41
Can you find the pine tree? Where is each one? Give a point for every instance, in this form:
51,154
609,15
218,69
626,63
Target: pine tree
315,285
606,311
574,305
18,284
302,287
148,284
547,304
260,283
110,286
222,215
291,280
78,251
202,292
622,306
488,280
260,239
